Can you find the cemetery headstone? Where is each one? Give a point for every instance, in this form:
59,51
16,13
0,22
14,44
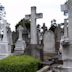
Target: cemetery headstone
38,34
67,40
20,44
5,48
33,31
49,44
44,28
33,18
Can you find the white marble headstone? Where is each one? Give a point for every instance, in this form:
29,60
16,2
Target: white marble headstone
20,44
49,42
5,47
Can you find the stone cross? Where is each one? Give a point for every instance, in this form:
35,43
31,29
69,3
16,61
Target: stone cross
38,34
67,8
38,28
44,28
5,38
64,8
20,29
33,18
65,28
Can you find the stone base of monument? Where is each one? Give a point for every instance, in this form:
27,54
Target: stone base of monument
67,58
18,52
2,56
35,51
5,50
19,47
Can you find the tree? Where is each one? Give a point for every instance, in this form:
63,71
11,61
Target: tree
24,23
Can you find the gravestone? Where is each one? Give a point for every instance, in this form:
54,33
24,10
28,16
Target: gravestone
33,31
20,44
66,42
5,48
65,28
33,18
49,44
44,28
9,34
38,34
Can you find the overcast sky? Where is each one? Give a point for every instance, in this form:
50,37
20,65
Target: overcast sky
17,9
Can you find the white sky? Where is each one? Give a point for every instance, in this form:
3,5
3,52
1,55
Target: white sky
17,9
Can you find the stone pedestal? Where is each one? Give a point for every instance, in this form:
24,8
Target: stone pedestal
35,51
5,50
20,47
67,60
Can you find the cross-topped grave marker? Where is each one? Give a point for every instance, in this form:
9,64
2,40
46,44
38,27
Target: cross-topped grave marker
20,29
33,18
20,44
44,28
65,28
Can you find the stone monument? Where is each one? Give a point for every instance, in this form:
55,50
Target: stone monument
20,44
33,31
66,42
9,34
49,45
38,34
33,18
5,47
44,28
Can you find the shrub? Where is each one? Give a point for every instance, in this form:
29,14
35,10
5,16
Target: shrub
19,64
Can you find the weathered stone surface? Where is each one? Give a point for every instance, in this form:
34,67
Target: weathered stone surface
5,47
67,49
33,18
49,42
20,44
49,45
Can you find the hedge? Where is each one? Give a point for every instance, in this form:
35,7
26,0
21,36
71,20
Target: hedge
19,64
